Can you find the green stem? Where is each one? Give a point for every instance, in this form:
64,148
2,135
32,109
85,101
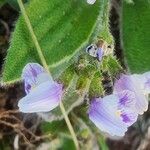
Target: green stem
43,61
69,125
34,38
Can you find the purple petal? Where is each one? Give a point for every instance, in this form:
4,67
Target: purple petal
92,50
104,114
125,117
146,81
133,84
42,98
34,74
129,116
127,107
100,54
126,99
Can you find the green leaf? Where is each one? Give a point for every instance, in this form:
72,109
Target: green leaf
63,28
129,1
96,88
2,2
66,142
111,64
54,127
135,34
102,143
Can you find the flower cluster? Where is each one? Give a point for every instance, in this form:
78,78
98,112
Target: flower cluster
115,113
112,114
99,49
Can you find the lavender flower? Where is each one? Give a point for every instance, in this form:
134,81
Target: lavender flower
100,54
146,82
114,113
91,1
43,93
139,84
95,51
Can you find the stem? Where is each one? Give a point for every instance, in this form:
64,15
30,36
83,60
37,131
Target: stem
69,125
34,38
43,61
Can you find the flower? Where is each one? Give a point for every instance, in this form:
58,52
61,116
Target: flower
95,51
92,50
91,1
146,82
114,113
137,84
43,93
100,54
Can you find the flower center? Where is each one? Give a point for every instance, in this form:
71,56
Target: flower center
118,113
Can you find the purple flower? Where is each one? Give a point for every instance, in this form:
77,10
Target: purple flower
114,113
95,51
43,93
100,54
137,84
146,82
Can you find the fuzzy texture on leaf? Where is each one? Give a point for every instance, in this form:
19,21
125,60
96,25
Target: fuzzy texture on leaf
135,35
62,28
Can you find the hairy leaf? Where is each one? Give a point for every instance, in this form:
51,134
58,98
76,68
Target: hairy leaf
135,34
62,28
96,89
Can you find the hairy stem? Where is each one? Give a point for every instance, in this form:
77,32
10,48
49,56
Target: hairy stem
43,61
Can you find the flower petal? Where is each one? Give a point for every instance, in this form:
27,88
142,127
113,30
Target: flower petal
43,98
134,84
103,113
100,54
92,50
126,99
146,81
91,1
129,116
34,74
126,105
